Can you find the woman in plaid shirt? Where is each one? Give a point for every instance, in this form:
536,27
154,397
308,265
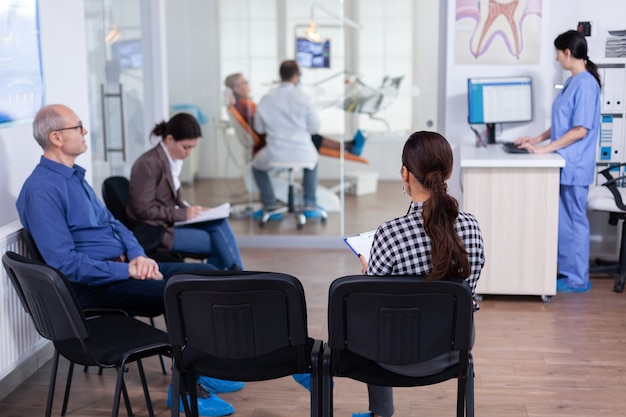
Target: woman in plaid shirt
434,238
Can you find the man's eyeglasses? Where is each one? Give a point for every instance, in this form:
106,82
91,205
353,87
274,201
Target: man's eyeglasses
79,127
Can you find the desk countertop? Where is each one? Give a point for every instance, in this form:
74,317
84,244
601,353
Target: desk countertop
493,156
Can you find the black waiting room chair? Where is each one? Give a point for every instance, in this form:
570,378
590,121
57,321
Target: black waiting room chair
107,340
33,251
610,197
398,321
115,195
240,326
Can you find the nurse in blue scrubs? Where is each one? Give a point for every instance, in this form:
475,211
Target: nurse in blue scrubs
574,136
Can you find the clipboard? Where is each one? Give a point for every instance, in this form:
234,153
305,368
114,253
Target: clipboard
215,213
361,244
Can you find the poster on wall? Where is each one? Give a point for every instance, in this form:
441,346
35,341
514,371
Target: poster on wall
497,32
21,78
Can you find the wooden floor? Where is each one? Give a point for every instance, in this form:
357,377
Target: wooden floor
565,358
364,212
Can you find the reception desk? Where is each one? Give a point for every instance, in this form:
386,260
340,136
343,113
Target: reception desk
515,198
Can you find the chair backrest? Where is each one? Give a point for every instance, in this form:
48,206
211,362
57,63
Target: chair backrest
235,317
48,298
399,320
246,136
31,246
115,195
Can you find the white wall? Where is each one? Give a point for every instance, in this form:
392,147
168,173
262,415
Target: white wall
64,63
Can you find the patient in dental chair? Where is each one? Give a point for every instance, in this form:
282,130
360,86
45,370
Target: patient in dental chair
247,108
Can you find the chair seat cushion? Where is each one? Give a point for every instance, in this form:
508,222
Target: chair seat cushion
260,368
365,370
132,335
601,199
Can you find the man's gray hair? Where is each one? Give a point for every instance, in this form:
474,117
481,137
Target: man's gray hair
232,80
46,121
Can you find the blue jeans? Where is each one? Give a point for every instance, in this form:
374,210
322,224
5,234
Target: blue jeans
263,182
145,296
214,239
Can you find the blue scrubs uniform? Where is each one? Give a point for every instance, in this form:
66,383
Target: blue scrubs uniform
578,104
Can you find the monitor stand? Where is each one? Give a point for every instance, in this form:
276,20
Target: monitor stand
491,133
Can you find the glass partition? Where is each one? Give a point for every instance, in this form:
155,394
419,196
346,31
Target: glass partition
357,63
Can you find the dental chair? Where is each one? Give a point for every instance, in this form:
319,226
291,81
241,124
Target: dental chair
363,99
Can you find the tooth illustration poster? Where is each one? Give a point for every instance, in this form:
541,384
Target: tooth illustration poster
498,32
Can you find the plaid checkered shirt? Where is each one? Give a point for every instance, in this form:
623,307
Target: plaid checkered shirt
401,246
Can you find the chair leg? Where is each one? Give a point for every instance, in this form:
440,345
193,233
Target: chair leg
316,379
146,393
469,394
68,385
53,378
129,410
160,356
193,394
327,384
176,394
120,388
621,269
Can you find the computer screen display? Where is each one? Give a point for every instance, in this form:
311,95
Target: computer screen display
499,100
313,54
128,53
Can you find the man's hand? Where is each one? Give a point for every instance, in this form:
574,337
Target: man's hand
144,268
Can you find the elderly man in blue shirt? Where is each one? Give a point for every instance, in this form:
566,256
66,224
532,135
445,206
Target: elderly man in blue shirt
78,235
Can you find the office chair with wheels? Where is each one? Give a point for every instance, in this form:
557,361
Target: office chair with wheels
609,197
108,340
398,321
243,326
292,206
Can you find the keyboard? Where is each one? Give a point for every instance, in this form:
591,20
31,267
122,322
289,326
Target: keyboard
510,147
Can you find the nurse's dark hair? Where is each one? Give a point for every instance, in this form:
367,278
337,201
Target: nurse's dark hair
577,44
428,157
181,126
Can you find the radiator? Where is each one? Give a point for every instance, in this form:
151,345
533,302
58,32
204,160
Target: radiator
18,337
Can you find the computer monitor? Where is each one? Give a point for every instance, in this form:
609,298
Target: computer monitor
311,54
128,53
494,100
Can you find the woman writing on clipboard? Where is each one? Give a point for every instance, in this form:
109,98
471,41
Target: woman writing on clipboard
433,239
154,197
573,135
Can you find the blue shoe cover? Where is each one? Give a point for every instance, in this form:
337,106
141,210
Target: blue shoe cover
359,143
213,406
368,414
218,386
312,214
561,286
303,379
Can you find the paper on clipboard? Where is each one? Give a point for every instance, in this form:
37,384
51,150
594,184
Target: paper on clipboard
361,243
214,213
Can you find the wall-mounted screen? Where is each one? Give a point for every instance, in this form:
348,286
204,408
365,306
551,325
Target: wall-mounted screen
21,78
499,100
313,54
127,53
